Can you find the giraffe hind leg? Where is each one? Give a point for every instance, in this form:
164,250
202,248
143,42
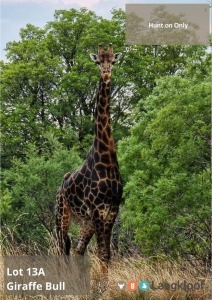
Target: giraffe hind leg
67,245
63,218
86,232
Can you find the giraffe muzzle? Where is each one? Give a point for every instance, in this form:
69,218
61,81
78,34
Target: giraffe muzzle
106,76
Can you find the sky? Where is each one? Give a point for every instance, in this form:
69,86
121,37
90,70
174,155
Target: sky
15,14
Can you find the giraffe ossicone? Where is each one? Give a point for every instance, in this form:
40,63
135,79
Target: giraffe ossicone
92,194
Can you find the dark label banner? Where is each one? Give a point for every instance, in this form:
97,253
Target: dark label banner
46,275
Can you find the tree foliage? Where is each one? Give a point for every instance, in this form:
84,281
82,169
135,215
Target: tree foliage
160,116
30,188
165,164
50,83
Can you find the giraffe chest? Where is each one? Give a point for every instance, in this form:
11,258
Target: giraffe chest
90,189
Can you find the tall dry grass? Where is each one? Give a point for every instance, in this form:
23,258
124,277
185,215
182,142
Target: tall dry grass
126,269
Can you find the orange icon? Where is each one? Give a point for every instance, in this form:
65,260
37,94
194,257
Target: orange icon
132,285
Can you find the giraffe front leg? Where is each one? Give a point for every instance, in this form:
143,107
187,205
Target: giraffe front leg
103,230
63,218
103,237
86,232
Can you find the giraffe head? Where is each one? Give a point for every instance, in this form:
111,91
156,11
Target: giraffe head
105,60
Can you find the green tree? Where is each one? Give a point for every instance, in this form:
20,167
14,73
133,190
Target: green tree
48,88
165,165
30,188
50,83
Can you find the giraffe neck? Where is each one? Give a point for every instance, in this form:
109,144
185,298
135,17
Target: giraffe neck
103,139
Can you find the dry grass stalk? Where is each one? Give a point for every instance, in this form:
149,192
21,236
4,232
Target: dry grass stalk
126,269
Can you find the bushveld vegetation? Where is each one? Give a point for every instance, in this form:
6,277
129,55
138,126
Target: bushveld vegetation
160,115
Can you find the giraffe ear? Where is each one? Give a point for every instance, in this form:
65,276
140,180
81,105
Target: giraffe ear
93,57
117,56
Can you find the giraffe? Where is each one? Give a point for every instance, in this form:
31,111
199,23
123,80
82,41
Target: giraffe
91,195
